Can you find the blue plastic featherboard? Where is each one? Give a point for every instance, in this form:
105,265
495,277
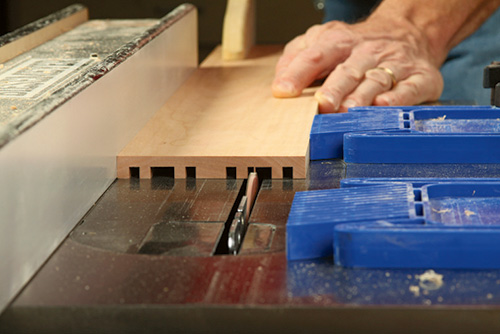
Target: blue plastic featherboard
417,134
399,223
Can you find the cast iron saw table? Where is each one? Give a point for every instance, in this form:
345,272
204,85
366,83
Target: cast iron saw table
145,258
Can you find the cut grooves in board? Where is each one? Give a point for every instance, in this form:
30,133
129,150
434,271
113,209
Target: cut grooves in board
223,121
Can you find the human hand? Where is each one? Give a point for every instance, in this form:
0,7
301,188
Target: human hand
379,61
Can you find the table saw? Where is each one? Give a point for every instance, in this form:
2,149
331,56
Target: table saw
87,252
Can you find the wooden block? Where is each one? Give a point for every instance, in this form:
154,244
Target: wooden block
224,116
238,31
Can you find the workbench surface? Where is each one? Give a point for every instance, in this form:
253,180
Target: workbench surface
117,272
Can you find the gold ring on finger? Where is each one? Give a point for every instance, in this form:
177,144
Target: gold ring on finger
391,74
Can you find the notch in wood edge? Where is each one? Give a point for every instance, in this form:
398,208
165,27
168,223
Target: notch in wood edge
190,172
287,173
65,20
134,172
264,173
231,173
162,172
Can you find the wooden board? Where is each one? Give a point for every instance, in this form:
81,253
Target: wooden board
225,116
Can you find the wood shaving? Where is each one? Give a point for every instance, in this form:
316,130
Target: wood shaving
469,213
430,280
415,289
442,118
441,211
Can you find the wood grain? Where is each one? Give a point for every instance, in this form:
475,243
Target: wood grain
225,116
238,31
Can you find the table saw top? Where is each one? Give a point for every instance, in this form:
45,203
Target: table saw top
148,251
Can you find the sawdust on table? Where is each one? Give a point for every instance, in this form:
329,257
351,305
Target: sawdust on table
430,280
469,213
441,211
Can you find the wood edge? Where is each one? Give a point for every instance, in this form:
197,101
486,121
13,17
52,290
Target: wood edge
38,37
238,32
122,169
211,167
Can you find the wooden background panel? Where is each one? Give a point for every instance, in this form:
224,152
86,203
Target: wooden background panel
225,116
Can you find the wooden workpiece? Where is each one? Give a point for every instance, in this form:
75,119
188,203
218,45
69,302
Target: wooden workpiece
224,116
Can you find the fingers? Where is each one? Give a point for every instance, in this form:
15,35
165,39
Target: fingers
359,70
295,46
343,80
376,81
415,89
386,84
296,73
310,57
289,53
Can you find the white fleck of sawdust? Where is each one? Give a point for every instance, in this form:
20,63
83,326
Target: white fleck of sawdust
430,280
441,211
469,213
489,296
415,289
